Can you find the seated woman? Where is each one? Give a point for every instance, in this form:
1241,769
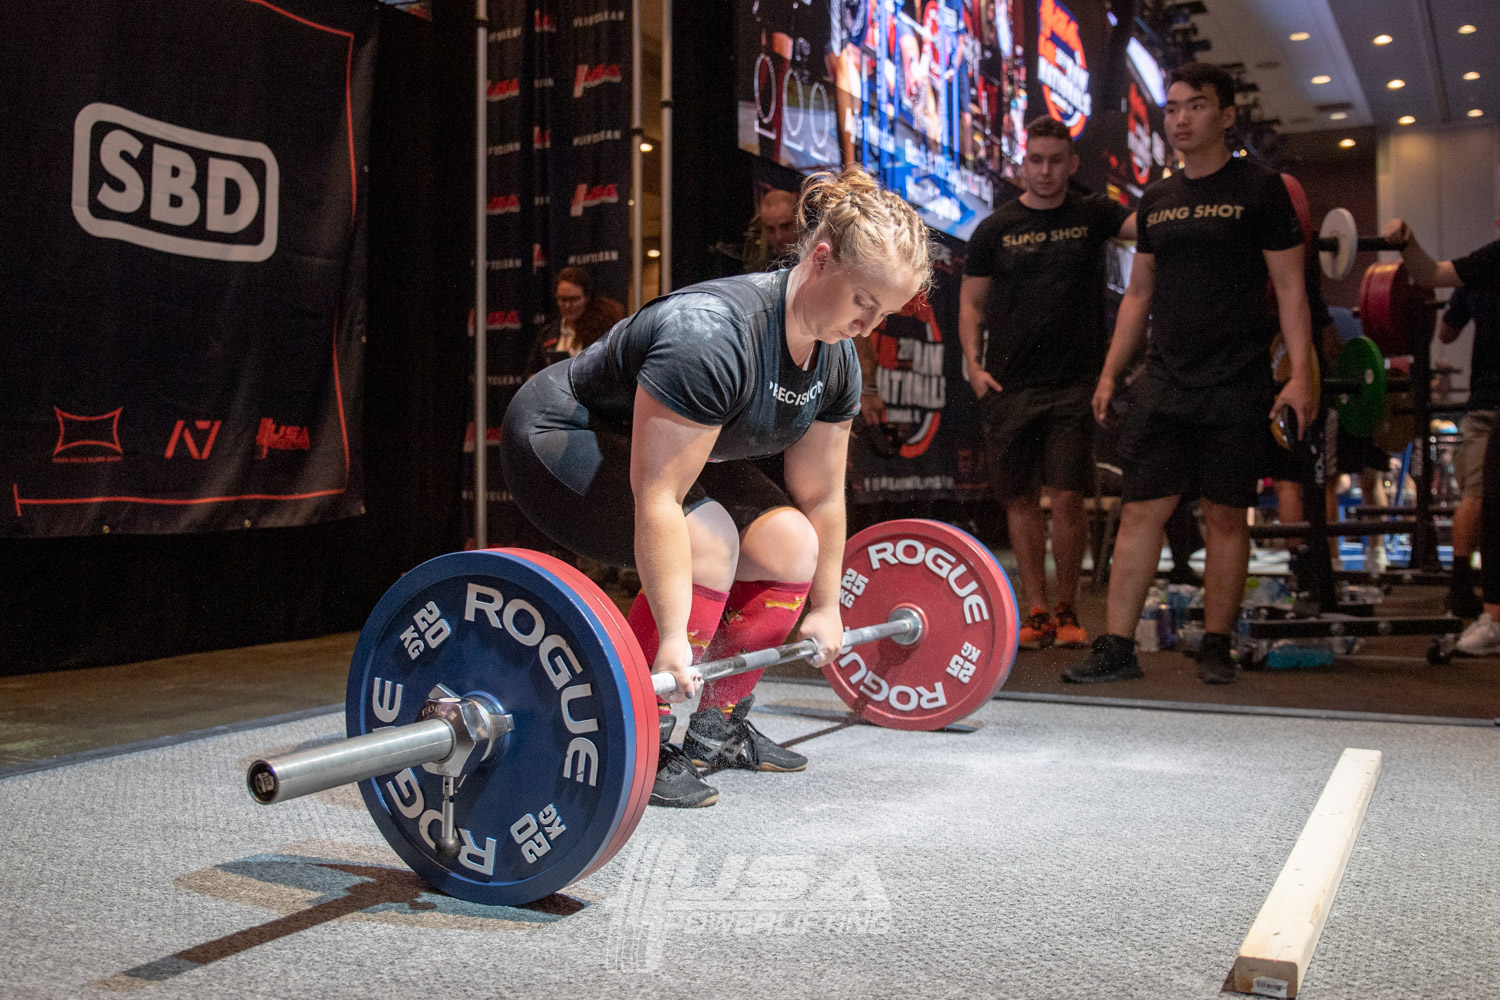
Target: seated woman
583,317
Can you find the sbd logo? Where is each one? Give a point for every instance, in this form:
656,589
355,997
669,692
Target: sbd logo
173,189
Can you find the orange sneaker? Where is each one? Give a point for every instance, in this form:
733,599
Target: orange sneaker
1037,631
1069,634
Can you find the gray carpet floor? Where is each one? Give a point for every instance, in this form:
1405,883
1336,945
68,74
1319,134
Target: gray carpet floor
1059,851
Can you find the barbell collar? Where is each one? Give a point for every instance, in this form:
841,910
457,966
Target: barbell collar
384,751
904,627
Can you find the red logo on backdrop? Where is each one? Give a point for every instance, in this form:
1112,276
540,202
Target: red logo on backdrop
182,432
1062,67
538,257
545,22
74,431
491,437
541,138
288,438
1138,136
503,319
909,362
587,197
503,204
500,90
591,76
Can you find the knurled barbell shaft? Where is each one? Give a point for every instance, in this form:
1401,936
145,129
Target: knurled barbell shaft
904,625
1364,244
384,751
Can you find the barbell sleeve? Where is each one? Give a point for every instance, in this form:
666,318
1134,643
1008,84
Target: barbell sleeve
384,751
904,626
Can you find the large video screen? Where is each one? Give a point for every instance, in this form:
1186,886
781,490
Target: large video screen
929,95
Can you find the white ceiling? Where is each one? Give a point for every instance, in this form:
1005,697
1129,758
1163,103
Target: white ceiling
1427,52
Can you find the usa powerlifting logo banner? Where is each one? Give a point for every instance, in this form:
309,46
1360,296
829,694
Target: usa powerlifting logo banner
1062,67
183,292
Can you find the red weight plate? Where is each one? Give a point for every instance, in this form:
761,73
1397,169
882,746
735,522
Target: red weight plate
1386,298
643,696
1299,203
972,622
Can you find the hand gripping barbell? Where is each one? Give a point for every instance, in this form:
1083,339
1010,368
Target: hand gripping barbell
536,741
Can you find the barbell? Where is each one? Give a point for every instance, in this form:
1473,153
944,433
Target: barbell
527,760
1387,298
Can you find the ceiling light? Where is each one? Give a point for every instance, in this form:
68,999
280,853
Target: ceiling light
1472,74
1395,84
1338,116
646,147
1322,79
653,253
1475,113
1299,36
1346,143
1406,120
1383,39
1467,29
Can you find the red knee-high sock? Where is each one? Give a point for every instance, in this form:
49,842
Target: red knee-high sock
758,614
703,620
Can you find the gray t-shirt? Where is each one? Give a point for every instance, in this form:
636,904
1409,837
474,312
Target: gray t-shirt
716,354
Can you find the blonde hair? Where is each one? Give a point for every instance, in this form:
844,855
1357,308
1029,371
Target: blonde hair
867,226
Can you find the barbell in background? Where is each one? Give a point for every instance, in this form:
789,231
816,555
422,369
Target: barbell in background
502,717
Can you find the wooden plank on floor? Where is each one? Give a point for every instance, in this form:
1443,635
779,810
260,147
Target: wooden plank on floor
1274,958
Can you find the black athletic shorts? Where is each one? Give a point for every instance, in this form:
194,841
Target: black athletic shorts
1187,442
570,474
1357,454
1038,436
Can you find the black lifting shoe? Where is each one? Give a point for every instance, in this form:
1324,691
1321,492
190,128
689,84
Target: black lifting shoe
677,781
1215,664
715,742
1111,659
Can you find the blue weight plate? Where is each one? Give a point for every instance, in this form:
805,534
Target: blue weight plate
539,813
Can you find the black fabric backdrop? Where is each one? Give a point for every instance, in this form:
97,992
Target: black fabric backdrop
72,602
559,191
183,304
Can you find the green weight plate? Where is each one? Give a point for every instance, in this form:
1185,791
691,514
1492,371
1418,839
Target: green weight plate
1360,412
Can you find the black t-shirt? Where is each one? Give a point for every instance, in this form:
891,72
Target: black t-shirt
1480,269
1210,327
1045,308
716,354
1483,307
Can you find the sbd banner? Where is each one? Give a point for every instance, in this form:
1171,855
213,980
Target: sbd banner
182,302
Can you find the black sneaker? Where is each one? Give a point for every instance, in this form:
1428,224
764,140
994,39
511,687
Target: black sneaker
1111,659
1215,665
1464,603
677,781
715,742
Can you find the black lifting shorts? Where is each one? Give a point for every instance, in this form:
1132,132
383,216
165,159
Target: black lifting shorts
1195,443
569,474
1038,436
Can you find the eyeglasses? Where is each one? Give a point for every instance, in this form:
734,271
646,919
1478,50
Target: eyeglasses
567,300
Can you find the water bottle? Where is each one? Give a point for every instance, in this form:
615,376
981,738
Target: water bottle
1166,634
